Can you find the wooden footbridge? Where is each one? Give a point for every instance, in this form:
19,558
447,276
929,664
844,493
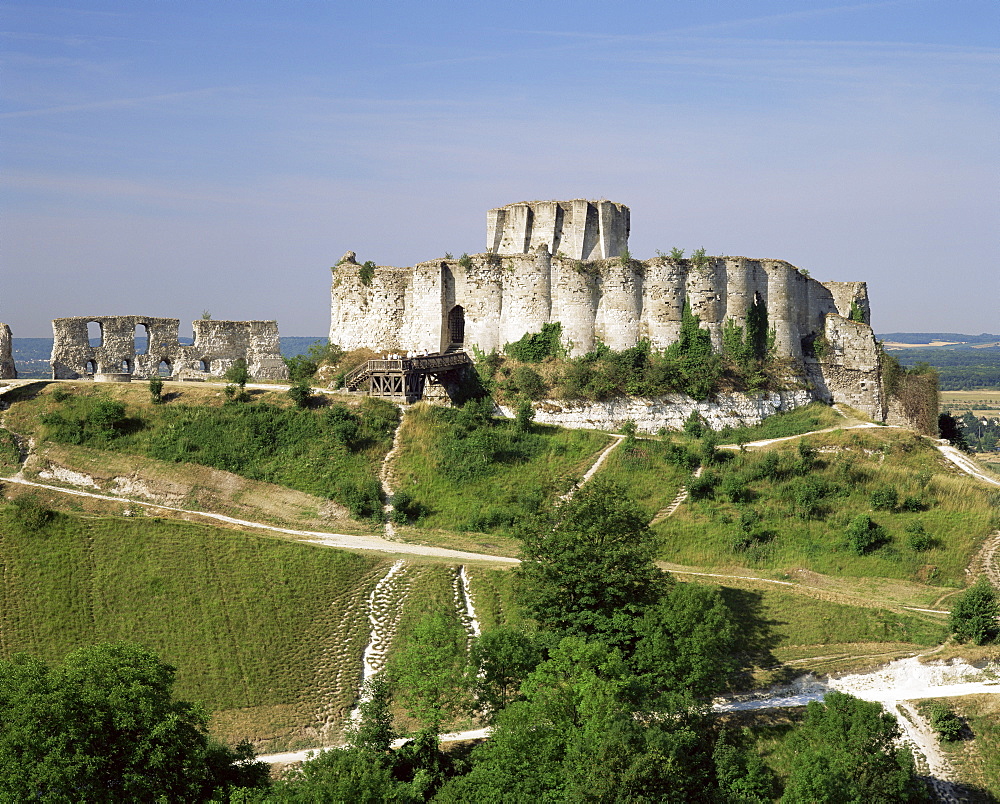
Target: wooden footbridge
402,379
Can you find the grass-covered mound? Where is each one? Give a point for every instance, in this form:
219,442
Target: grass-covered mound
879,503
333,451
253,624
267,634
461,469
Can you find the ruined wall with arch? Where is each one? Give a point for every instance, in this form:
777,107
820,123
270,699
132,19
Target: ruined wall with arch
118,348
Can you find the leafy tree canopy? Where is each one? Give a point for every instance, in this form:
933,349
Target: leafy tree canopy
846,752
587,565
102,726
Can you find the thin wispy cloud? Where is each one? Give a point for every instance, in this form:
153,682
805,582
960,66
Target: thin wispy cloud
115,103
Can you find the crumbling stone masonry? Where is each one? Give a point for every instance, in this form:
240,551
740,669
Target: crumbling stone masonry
568,262
117,348
7,369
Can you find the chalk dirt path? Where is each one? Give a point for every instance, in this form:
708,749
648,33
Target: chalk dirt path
342,540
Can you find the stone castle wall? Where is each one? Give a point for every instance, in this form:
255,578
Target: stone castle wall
7,369
118,356
567,262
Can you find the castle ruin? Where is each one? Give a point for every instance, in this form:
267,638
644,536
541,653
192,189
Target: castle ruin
7,368
568,262
118,348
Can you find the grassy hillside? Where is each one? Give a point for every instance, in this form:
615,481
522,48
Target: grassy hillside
334,451
269,633
465,472
795,504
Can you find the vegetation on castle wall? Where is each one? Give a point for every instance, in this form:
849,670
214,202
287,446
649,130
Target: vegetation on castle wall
688,366
915,390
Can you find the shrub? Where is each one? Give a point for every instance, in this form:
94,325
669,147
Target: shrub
238,373
917,538
526,381
301,394
694,424
524,416
701,488
30,514
945,722
61,394
366,273
974,616
535,347
884,499
465,260
156,390
912,503
864,535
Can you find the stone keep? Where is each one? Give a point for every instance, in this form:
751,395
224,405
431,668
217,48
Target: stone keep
563,261
7,369
137,346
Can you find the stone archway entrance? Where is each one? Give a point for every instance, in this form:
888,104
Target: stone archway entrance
456,327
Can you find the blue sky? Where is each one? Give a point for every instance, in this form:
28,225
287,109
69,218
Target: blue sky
165,158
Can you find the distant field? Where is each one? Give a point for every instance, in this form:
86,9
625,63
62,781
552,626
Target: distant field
982,402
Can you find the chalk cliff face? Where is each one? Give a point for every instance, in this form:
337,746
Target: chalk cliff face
568,262
7,370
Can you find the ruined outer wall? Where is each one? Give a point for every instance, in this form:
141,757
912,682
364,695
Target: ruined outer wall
849,369
7,369
218,344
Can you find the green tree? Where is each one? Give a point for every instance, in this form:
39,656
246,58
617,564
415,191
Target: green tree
974,616
504,658
587,565
575,737
846,751
238,373
301,394
339,776
156,390
374,730
688,643
430,672
102,726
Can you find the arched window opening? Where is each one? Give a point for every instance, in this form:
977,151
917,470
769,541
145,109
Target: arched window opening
164,369
202,365
141,339
456,326
95,334
126,367
91,367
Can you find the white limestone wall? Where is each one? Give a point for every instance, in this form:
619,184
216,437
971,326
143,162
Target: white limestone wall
619,307
663,297
579,229
574,303
527,299
670,411
706,293
483,303
423,325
